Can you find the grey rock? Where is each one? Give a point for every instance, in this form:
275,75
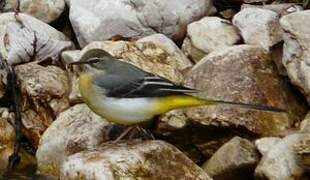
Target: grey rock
265,144
236,159
31,26
134,18
281,162
295,51
207,35
258,26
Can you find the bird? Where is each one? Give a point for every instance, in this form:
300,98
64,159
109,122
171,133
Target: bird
124,94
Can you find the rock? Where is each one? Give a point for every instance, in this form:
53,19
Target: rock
258,26
228,13
135,18
30,26
46,11
263,145
281,162
45,91
207,35
168,45
249,73
135,160
303,150
296,52
7,141
74,130
305,124
281,9
234,160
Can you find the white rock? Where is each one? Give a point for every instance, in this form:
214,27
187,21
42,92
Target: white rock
29,22
168,45
130,161
265,144
296,52
281,162
208,34
258,26
95,20
47,11
74,130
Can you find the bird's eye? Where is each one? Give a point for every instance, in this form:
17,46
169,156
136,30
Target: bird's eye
93,61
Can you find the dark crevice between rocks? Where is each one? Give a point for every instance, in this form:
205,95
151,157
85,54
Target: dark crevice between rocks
63,24
11,100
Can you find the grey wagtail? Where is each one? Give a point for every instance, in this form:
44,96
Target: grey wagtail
124,94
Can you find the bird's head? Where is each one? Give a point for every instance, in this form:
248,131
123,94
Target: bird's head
94,60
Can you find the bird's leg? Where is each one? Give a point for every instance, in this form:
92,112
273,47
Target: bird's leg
120,137
146,132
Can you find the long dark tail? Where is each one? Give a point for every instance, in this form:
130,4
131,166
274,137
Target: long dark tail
247,106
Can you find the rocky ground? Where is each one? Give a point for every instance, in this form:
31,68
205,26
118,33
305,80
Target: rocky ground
251,51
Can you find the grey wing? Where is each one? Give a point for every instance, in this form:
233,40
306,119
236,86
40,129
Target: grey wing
149,85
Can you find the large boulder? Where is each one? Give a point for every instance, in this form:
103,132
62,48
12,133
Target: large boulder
74,130
96,20
133,160
242,73
208,34
296,51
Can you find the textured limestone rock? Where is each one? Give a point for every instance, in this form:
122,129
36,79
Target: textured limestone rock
74,130
245,74
281,9
7,141
303,151
134,18
263,145
45,91
296,51
258,26
137,160
236,159
31,27
281,162
208,34
46,11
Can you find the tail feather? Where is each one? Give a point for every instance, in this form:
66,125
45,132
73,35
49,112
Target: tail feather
246,106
